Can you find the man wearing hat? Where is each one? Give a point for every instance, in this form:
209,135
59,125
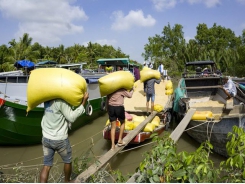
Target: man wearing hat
229,87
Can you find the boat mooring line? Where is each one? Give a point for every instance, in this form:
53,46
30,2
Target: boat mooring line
136,147
195,126
209,136
87,138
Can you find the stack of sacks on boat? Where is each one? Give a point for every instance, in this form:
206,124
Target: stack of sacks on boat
132,121
169,88
51,83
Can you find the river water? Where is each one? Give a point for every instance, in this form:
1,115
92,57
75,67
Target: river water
89,137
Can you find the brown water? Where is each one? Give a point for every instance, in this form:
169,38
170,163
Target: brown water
81,140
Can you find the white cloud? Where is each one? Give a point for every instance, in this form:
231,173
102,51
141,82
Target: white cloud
102,42
208,3
164,4
106,42
134,18
44,20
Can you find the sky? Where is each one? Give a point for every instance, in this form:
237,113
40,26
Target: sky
124,24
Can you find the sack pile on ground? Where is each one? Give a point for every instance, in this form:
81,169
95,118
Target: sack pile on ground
169,88
158,107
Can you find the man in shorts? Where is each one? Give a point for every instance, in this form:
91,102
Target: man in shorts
149,89
57,116
116,111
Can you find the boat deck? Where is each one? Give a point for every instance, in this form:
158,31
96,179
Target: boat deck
138,101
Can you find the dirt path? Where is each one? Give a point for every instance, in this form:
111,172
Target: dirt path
138,101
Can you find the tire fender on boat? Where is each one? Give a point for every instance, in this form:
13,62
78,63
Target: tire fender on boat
89,109
102,105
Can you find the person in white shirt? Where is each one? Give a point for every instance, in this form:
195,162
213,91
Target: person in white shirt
55,122
229,87
160,69
150,65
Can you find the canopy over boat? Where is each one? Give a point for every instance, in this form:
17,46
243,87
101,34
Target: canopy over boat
24,64
47,62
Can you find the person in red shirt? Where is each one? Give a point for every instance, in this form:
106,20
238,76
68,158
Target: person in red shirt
116,111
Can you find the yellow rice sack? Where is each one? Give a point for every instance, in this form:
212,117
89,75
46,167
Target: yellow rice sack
138,118
202,115
158,107
115,81
129,125
118,123
107,122
169,91
136,123
146,68
51,83
169,85
156,121
149,127
149,74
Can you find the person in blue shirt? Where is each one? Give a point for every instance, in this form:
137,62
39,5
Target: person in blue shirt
149,89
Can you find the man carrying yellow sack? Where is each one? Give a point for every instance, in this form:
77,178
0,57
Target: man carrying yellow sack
115,108
55,122
149,89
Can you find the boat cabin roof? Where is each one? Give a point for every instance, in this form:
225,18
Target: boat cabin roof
200,68
200,63
113,61
116,62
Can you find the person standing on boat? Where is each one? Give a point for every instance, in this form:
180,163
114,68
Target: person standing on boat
116,111
58,114
149,89
150,65
229,87
160,69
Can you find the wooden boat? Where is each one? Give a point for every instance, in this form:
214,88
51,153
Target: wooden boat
164,117
140,137
18,128
215,116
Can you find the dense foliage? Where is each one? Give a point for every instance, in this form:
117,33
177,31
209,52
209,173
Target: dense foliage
163,164
217,43
75,54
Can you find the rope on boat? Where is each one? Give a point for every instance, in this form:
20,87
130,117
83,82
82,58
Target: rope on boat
136,147
209,136
195,126
87,139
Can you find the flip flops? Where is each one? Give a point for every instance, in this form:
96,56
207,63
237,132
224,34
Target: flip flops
121,144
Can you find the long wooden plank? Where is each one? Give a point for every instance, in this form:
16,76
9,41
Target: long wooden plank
229,104
175,135
178,131
81,178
